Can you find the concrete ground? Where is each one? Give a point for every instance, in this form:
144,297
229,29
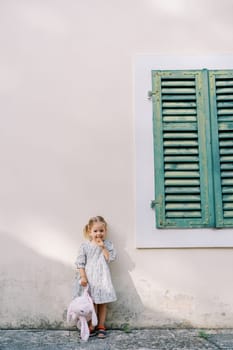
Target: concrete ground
145,339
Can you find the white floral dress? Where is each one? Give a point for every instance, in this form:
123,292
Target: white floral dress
91,258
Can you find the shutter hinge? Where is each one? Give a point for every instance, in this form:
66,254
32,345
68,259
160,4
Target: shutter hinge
150,94
153,204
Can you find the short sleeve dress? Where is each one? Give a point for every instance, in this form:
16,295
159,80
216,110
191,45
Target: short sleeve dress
91,258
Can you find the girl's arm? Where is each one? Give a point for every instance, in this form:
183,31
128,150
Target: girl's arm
108,250
83,277
100,243
111,250
105,252
81,263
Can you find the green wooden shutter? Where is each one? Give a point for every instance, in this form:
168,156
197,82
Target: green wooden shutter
182,149
221,102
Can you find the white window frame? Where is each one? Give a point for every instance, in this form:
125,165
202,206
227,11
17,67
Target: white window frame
147,235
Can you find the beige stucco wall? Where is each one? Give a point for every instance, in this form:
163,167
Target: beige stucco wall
67,152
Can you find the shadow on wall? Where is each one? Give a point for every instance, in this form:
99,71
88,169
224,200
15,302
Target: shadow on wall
129,307
35,290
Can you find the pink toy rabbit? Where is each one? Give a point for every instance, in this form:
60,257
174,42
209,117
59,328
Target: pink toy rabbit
80,311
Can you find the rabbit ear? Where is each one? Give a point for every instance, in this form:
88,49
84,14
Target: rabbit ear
94,320
84,329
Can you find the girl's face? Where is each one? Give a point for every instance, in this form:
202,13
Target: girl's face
98,230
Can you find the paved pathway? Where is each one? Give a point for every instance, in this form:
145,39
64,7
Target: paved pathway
146,339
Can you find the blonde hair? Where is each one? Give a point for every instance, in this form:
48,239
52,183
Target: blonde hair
91,222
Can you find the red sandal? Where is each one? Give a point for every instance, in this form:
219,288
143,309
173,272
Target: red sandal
101,332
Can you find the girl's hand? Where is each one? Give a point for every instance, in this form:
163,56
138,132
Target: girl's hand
99,240
83,281
100,243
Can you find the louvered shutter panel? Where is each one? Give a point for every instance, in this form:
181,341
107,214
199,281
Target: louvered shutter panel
221,102
181,150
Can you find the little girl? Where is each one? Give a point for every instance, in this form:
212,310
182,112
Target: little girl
93,269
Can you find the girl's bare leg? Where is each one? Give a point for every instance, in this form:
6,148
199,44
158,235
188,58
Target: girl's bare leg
102,313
